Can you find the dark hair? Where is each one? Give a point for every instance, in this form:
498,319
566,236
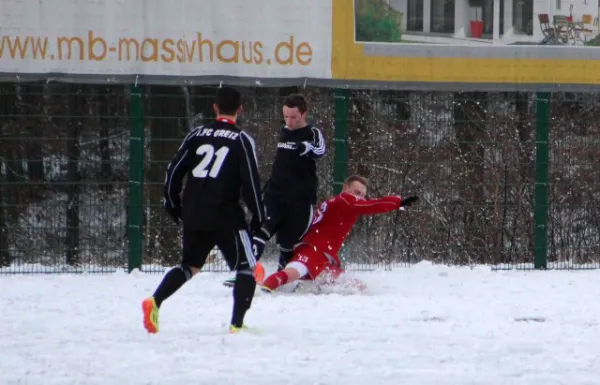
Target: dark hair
296,101
356,178
228,100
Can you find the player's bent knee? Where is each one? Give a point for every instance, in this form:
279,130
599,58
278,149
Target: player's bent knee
189,271
299,267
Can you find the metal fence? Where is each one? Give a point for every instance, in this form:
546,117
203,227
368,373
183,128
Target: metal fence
506,179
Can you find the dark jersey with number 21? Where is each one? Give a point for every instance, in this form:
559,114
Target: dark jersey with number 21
220,163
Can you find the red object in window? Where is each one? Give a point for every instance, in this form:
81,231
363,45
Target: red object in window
476,28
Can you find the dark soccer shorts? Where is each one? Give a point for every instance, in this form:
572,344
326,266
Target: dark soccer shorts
235,245
290,221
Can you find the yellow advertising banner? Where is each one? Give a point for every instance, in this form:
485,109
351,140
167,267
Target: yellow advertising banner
464,41
437,44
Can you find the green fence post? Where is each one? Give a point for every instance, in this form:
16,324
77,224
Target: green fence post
340,140
542,160
136,178
340,163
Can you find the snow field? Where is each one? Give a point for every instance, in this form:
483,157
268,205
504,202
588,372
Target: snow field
421,325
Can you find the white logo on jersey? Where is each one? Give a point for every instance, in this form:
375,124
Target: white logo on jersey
287,146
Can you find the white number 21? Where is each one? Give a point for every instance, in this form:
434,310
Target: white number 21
208,151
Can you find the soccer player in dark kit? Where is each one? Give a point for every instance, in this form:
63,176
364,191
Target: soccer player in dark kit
291,192
220,163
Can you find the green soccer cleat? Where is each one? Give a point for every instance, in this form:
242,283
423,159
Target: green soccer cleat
265,289
234,329
229,282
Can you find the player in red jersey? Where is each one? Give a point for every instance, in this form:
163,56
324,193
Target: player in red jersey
317,254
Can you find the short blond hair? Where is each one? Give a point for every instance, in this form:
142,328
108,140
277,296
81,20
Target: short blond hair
356,178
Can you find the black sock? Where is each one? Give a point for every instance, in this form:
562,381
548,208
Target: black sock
172,281
243,292
284,258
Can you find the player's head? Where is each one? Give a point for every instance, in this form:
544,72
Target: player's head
295,110
229,102
356,185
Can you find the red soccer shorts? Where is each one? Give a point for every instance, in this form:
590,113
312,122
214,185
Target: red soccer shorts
314,263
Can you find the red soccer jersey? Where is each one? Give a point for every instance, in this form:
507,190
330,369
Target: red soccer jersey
336,216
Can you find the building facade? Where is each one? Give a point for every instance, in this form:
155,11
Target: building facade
504,21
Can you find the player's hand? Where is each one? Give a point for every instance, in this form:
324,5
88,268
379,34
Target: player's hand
304,148
259,240
409,201
174,211
258,247
255,225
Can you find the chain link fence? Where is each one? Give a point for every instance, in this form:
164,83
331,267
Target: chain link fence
65,174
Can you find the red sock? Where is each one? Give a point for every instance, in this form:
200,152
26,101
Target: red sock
273,281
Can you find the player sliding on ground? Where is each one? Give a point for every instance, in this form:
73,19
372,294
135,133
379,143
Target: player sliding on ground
317,254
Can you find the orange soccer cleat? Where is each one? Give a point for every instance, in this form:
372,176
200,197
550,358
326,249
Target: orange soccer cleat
259,273
150,315
259,276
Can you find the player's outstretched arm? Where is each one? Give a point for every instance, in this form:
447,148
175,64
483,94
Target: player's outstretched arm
370,206
251,180
316,147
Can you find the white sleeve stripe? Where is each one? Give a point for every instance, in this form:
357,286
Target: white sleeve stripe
319,146
252,144
255,188
247,247
170,174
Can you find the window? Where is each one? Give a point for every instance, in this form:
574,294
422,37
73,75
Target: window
523,17
414,15
488,18
442,16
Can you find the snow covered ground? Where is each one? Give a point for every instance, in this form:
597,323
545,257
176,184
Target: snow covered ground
421,325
